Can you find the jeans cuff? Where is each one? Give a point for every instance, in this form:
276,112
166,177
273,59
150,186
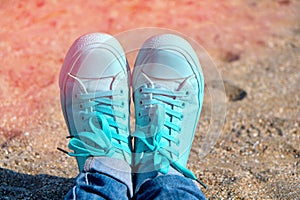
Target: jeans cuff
113,167
141,178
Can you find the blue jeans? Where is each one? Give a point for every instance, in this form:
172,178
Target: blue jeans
109,178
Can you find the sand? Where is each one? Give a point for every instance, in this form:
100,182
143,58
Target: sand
255,46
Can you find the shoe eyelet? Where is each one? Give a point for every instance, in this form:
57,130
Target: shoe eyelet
187,93
141,90
82,118
183,104
181,117
139,114
121,91
80,106
75,96
122,104
141,102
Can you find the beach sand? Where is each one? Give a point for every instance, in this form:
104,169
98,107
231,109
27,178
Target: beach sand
254,44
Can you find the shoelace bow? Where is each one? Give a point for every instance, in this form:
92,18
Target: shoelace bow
160,149
99,142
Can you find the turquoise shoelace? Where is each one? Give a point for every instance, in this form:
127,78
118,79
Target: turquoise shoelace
101,141
166,103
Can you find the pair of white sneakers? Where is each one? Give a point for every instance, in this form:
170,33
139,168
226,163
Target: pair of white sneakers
168,88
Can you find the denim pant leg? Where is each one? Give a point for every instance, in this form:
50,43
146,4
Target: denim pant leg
170,187
103,178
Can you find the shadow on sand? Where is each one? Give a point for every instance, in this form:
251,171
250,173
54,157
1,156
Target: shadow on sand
15,185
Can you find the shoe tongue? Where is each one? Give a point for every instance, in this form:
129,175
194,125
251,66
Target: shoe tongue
154,122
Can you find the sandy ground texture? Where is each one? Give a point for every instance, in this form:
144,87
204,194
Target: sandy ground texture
255,45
